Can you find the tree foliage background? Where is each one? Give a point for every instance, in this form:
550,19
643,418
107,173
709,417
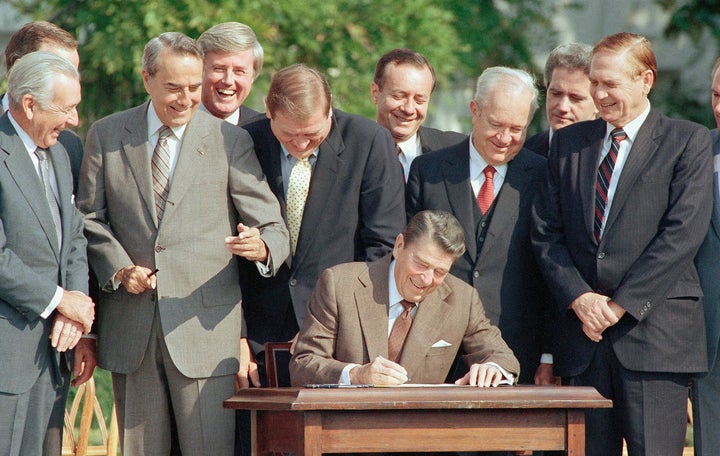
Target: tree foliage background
343,38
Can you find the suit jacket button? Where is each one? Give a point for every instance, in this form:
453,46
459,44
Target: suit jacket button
601,255
476,274
293,282
159,249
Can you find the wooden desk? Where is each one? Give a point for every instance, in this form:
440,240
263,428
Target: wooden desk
314,421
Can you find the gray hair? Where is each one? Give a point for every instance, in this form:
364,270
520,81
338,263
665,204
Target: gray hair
503,75
572,56
177,42
233,37
34,74
439,227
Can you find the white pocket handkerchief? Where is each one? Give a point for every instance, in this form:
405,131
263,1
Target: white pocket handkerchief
441,343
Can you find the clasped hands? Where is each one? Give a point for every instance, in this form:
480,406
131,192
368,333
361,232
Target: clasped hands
75,315
597,313
382,371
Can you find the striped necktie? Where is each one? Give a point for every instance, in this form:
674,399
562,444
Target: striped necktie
161,171
604,177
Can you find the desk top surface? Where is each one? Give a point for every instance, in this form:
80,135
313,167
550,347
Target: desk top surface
418,397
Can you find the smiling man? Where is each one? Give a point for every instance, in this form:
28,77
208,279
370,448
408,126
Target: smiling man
488,183
169,189
567,98
404,82
626,206
341,190
401,318
232,60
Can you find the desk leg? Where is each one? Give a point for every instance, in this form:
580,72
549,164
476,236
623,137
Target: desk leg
576,432
311,444
253,432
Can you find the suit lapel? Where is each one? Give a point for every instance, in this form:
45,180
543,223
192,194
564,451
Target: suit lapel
322,186
643,149
372,306
64,193
26,179
135,149
189,162
508,200
456,175
425,330
589,158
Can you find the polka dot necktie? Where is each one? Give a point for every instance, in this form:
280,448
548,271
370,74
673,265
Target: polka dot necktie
298,186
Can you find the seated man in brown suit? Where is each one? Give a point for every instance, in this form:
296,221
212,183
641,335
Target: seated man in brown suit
402,318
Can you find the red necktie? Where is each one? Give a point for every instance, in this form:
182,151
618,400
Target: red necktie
487,191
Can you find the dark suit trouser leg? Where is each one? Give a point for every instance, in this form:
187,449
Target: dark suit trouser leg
160,411
706,413
24,418
648,408
52,446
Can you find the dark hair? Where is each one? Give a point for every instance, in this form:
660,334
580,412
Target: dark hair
401,56
438,227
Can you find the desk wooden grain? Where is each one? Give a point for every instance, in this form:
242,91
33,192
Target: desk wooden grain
357,420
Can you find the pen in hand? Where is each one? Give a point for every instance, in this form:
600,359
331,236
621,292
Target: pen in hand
153,273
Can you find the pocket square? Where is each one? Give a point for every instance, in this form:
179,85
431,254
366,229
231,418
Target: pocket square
441,343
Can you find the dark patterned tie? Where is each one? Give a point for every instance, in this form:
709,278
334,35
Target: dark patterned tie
604,177
161,171
399,332
399,152
487,191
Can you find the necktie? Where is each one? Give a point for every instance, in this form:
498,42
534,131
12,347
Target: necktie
49,193
604,177
487,191
160,164
298,186
400,330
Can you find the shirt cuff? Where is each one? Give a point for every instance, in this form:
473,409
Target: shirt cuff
546,358
265,269
345,375
54,302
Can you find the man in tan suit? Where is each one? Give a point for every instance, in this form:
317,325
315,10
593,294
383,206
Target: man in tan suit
349,333
161,238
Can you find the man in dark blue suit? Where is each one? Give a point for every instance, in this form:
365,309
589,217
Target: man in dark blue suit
625,209
706,388
498,260
404,81
340,191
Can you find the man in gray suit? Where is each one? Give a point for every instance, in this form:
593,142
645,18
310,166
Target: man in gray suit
44,308
498,261
232,60
170,194
404,81
706,388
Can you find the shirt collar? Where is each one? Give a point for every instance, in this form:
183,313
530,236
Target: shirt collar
478,164
632,128
292,159
233,118
24,137
154,123
394,294
410,146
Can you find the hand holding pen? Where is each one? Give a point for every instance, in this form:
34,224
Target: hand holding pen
137,279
